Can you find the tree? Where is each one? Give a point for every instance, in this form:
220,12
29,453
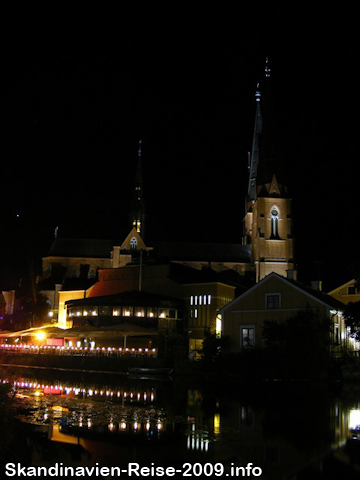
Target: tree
300,345
212,347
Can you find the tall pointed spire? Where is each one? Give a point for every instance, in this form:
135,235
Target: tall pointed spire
267,221
138,210
254,157
263,158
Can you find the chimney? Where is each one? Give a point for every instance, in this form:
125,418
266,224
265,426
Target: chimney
291,274
316,285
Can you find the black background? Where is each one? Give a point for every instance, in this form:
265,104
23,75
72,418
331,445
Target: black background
77,95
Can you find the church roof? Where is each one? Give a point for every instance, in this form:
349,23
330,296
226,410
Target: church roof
202,252
80,247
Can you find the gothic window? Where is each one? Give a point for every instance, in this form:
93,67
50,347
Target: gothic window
133,243
274,223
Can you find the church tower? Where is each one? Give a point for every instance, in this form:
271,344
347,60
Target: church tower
268,219
137,213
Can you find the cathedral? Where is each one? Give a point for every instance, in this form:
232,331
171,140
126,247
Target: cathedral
205,277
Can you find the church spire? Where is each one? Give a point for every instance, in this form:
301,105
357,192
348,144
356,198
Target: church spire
267,222
254,156
138,209
264,161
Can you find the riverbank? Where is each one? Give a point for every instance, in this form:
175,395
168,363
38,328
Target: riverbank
233,369
80,363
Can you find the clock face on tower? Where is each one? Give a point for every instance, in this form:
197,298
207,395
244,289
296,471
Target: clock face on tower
274,212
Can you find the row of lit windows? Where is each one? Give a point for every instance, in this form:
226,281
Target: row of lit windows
123,311
200,300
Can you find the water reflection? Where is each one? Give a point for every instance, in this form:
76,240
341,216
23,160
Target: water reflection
287,431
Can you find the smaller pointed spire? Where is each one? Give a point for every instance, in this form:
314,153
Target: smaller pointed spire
138,210
267,68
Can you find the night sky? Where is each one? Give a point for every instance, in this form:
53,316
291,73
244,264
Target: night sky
76,99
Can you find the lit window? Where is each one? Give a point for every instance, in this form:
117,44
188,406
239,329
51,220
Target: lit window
127,311
272,300
191,300
247,336
218,326
274,223
196,300
151,312
209,299
133,243
196,313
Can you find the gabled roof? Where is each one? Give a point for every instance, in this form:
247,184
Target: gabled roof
140,245
319,296
350,282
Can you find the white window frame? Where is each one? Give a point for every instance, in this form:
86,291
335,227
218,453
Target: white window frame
267,295
243,327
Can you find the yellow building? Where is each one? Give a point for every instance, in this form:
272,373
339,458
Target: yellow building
72,266
277,298
203,301
347,293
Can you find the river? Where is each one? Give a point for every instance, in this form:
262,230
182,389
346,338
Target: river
279,431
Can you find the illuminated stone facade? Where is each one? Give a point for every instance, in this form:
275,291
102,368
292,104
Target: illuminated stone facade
268,229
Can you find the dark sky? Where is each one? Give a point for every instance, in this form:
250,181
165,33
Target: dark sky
75,100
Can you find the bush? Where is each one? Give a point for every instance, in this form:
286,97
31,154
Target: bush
298,347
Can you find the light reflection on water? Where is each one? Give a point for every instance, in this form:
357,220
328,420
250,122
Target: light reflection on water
280,431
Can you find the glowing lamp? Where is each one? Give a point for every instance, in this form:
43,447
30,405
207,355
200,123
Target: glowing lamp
40,335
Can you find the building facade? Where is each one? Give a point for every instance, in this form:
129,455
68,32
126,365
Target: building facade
349,292
278,298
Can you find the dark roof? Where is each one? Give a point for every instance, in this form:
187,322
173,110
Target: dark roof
186,251
68,283
183,275
136,298
318,294
322,296
206,252
80,247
